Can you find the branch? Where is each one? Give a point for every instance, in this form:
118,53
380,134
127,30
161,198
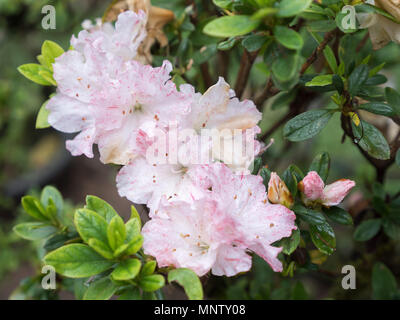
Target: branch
246,63
311,59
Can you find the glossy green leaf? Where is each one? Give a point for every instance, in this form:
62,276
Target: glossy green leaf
116,232
321,165
101,248
152,283
357,78
384,286
393,99
227,44
306,125
132,247
131,293
34,208
189,281
230,26
371,140
77,261
102,289
50,192
254,42
135,215
148,268
100,207
288,38
31,72
50,51
34,230
367,230
323,237
285,69
41,119
338,215
320,81
290,8
89,224
291,243
310,216
378,108
126,270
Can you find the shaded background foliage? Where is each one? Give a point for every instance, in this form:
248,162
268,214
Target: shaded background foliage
32,158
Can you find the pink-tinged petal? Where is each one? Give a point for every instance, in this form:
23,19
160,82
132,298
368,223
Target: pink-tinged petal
258,224
269,254
68,115
191,235
312,187
146,183
82,143
334,193
231,261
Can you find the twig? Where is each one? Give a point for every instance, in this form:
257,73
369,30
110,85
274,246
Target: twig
311,59
246,63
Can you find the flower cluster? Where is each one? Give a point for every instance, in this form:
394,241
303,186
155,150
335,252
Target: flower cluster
205,215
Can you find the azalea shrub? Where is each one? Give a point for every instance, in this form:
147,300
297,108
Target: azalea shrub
178,95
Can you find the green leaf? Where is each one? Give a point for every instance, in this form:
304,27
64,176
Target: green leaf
391,229
100,207
357,78
189,281
34,208
132,247
263,13
371,140
135,215
384,286
320,81
323,237
31,72
288,38
393,99
152,283
45,74
227,44
34,230
338,215
51,193
378,108
148,268
285,68
290,8
116,232
299,292
51,51
310,216
90,225
102,289
254,42
77,261
126,270
224,4
306,125
101,248
338,83
321,165
131,293
367,230
331,59
41,119
291,243
230,26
